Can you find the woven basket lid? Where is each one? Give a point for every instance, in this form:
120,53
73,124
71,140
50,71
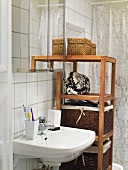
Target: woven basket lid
58,41
79,40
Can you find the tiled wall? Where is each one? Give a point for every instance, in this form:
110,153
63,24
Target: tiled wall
20,38
36,89
35,17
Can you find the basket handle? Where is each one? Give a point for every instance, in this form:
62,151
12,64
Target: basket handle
82,113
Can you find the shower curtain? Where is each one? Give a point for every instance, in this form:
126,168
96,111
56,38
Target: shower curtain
110,33
54,30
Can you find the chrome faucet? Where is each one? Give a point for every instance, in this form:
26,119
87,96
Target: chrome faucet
43,125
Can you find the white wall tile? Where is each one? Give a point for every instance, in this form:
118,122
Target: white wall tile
24,4
24,45
71,4
35,51
42,76
23,20
50,75
31,93
88,35
71,16
24,64
16,3
15,45
15,64
31,77
13,130
35,26
50,104
77,19
87,10
43,109
13,98
15,19
20,94
20,77
50,89
88,25
82,11
19,120
35,41
13,77
77,6
82,21
66,14
42,91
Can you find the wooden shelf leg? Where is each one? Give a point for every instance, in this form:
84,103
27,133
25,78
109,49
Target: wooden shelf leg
75,66
113,79
33,63
58,90
51,64
101,112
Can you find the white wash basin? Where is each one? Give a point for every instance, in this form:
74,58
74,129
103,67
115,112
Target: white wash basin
60,146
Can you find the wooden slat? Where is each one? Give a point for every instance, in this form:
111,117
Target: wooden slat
89,96
80,97
105,137
110,59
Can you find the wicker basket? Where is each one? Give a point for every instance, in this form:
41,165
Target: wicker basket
78,46
90,120
90,160
58,46
93,49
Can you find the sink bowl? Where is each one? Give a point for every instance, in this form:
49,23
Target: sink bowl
55,146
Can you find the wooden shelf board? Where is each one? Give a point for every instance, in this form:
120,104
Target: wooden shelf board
90,96
71,58
105,137
50,58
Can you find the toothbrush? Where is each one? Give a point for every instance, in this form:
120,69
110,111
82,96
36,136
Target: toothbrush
32,115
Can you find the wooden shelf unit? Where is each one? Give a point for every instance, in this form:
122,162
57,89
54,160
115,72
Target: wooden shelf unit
102,97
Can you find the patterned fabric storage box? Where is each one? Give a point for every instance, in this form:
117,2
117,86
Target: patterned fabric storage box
89,159
86,117
93,48
58,46
78,46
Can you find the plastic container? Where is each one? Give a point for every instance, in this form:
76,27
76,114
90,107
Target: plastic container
116,166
